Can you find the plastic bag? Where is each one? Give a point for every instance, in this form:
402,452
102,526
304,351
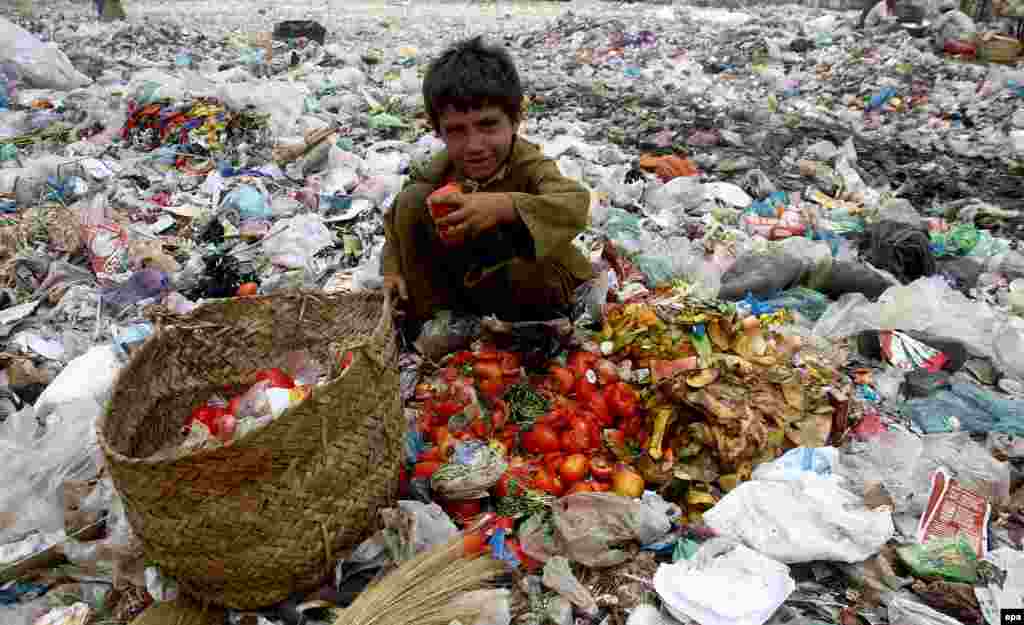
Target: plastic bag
493,604
586,526
558,576
999,596
37,463
973,408
811,518
88,377
724,584
446,333
37,64
796,462
250,202
926,305
283,100
420,526
294,242
951,559
965,461
472,470
904,611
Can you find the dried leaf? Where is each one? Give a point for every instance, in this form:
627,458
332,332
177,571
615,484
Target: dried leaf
702,378
720,336
794,395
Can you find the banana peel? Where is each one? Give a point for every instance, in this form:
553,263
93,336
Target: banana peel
663,417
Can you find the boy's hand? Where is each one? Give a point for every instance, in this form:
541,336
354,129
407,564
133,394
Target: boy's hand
395,285
476,212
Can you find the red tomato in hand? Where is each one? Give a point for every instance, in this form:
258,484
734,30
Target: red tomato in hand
276,377
574,468
542,439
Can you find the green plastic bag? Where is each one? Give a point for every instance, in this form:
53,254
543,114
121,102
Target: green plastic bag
951,559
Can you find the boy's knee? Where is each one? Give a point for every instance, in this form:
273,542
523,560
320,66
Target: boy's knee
411,204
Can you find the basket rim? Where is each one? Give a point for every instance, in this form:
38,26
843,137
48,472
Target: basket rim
359,359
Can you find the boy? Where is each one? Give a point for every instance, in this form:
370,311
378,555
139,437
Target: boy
517,214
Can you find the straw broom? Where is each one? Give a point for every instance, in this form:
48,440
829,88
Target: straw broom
425,590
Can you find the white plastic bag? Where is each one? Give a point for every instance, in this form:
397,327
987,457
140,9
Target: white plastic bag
724,584
494,606
995,598
558,577
811,518
89,377
904,611
283,100
293,243
797,462
38,64
926,305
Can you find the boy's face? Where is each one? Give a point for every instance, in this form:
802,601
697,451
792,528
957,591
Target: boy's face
478,141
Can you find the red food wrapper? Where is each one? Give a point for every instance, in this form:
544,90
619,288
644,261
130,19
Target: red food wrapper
107,245
906,353
952,511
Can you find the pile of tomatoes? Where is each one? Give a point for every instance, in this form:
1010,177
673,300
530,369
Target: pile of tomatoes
593,424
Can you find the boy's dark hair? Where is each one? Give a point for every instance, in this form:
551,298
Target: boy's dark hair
469,76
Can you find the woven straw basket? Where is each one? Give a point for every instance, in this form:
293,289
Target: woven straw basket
246,525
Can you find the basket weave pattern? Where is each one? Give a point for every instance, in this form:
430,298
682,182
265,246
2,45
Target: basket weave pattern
245,525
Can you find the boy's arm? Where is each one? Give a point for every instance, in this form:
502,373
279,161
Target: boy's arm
557,210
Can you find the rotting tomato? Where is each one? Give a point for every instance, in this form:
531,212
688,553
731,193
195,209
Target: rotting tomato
553,461
577,438
581,487
499,415
607,372
478,428
585,390
542,439
430,454
601,468
599,407
426,469
474,543
556,418
574,468
248,289
510,363
551,484
461,358
276,377
601,487
564,380
580,362
627,482
447,409
492,390
488,370
622,400
463,510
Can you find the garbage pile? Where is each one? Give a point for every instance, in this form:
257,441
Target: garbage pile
795,389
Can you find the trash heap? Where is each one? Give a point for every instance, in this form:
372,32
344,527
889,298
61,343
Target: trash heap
794,391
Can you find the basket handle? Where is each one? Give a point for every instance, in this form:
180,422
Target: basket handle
385,327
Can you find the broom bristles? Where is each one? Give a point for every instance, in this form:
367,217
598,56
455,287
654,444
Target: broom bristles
422,590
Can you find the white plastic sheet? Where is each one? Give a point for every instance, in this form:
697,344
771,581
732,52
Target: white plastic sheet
724,584
38,64
811,518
